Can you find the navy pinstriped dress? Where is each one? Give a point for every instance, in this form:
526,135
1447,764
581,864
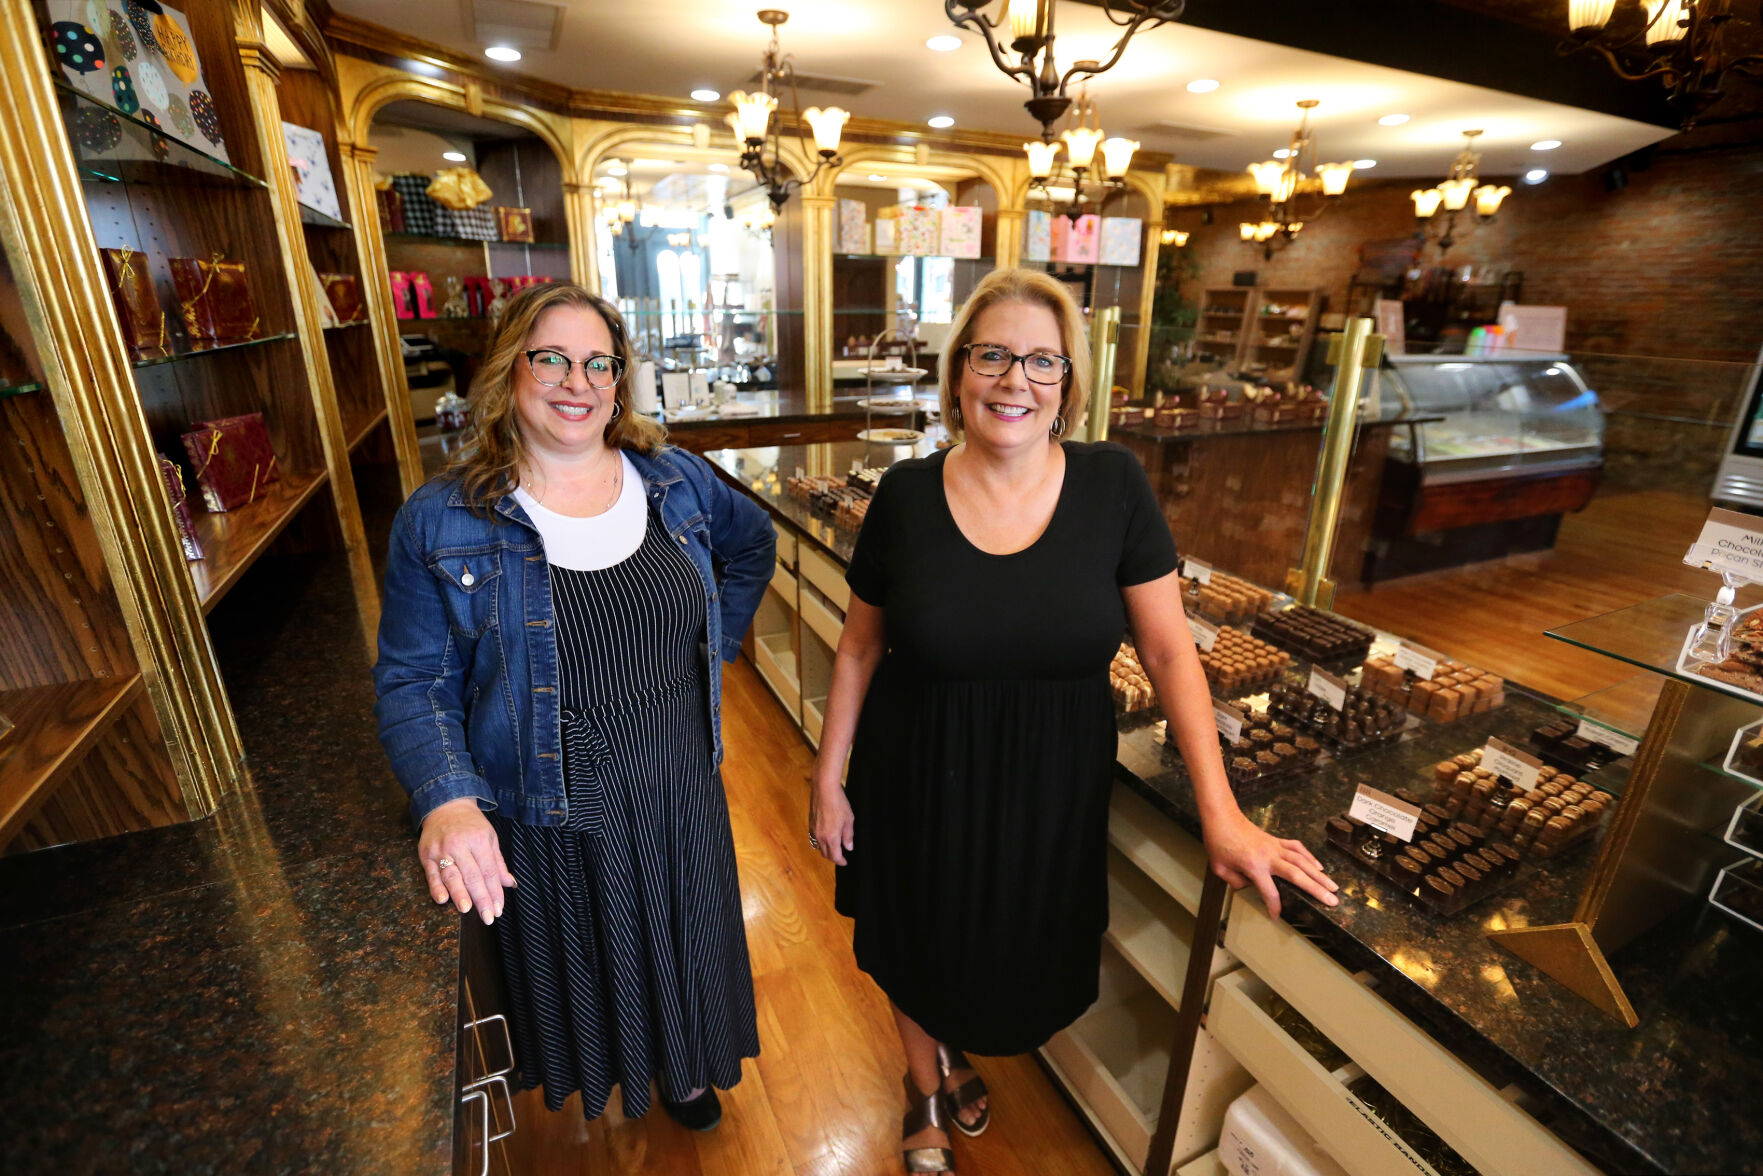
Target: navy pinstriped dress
623,945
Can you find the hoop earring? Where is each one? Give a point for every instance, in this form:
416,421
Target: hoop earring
617,408
1058,429
956,413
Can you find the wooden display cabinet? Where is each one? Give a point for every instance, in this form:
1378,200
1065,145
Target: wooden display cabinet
1222,322
1280,339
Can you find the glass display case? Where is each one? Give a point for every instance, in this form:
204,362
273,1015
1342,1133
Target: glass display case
1501,416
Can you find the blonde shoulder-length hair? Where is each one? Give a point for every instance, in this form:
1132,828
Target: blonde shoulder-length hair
489,465
1037,289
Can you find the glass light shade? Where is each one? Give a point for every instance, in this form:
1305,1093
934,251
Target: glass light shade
1292,229
1117,156
769,218
1247,230
752,113
1589,14
1288,186
1174,237
1267,176
1080,145
828,125
1334,177
1030,22
1041,157
1666,17
1456,193
1265,230
627,211
1426,201
1488,197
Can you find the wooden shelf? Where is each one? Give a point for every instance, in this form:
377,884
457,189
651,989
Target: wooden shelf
360,432
54,727
232,540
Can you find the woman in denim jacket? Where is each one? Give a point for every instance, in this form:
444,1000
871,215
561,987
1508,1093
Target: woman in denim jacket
557,607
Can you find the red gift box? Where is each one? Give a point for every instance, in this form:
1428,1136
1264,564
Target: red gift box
402,306
137,306
344,292
180,508
478,296
215,299
423,292
232,460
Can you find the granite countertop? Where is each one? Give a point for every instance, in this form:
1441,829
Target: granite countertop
270,989
788,408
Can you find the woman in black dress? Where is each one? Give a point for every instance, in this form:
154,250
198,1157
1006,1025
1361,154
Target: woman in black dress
991,585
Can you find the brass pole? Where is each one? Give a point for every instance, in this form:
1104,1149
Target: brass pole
1351,352
1104,344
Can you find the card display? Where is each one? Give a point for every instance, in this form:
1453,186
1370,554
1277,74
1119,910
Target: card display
853,222
313,183
1120,240
961,228
1037,236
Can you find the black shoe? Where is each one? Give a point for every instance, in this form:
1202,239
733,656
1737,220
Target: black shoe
697,1114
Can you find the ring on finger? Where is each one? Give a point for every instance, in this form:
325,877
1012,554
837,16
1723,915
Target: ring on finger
445,863
813,841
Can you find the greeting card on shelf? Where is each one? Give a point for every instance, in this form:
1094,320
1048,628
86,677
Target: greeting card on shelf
1077,240
853,227
961,231
312,170
887,234
1120,240
1037,239
920,231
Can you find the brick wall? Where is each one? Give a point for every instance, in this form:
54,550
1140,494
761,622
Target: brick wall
1663,282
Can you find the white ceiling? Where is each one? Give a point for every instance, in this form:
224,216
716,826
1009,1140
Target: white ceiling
670,47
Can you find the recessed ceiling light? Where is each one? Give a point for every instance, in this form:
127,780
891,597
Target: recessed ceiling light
1283,153
1363,164
946,43
706,95
1545,144
453,156
1202,86
719,168
1536,175
618,169
943,121
502,53
1392,120
875,179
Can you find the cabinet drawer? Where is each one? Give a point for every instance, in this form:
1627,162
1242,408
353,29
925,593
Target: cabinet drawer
1467,1111
786,545
784,584
825,575
818,616
1164,851
775,659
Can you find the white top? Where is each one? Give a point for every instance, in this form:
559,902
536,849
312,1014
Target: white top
588,545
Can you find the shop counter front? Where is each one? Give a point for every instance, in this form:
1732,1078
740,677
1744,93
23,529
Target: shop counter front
1402,1039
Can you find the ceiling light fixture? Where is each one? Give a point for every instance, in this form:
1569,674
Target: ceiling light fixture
1682,43
624,210
1202,86
1082,137
753,122
943,43
1545,144
1029,25
706,95
1174,237
1283,153
1393,120
1536,175
941,122
1453,195
1364,164
453,156
502,53
1285,179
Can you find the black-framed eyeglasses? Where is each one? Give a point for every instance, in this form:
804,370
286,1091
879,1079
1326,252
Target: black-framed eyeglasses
552,368
1042,367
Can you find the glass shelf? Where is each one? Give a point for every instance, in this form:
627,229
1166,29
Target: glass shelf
1625,708
192,351
157,157
321,220
7,390
473,242
1649,635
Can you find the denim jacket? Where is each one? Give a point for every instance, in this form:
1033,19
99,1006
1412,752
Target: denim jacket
467,672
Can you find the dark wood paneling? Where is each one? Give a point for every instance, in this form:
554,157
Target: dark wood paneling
1497,500
122,785
56,726
525,173
306,102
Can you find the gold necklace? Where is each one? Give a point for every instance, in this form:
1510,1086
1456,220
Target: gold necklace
617,485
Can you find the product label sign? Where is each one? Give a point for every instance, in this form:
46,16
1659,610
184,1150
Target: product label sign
1416,661
1616,741
1382,811
1229,720
1197,570
1205,633
1729,542
1327,687
1502,759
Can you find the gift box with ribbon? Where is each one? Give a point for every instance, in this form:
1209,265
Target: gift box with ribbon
402,306
214,297
180,508
232,460
422,291
137,305
344,293
516,224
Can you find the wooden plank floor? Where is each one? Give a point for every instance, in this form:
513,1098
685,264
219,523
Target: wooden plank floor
824,1097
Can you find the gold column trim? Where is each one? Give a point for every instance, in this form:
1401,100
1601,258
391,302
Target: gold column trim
579,210
817,299
48,235
1352,352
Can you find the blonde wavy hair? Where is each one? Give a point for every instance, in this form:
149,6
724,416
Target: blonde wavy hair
1035,288
489,465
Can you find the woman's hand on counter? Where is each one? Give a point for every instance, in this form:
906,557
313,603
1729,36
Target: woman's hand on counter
1243,853
458,833
830,823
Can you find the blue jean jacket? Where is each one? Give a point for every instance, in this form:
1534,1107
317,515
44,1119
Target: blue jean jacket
467,669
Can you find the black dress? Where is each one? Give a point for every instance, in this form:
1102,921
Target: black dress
623,945
979,775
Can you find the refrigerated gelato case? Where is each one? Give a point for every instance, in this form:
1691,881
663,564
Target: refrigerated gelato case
1517,443
1740,481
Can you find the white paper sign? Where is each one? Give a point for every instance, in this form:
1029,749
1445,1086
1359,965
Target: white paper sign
1502,759
1419,664
1205,633
1327,687
1229,720
1616,741
1380,810
1729,542
1197,570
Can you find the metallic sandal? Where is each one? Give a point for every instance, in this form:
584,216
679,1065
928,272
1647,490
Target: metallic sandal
924,1111
964,1096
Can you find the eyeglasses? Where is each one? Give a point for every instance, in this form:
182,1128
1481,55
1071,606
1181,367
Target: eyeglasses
1042,367
552,368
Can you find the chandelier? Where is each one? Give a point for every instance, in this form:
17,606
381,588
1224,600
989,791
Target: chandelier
1285,183
1681,42
1082,139
753,123
1454,194
1175,237
624,211
1030,36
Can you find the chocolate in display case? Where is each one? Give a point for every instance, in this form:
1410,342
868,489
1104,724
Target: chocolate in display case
1238,664
1362,721
1448,691
1315,635
1219,596
1260,752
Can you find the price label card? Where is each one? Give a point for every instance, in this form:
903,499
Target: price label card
1502,759
1197,570
1729,542
800,472
1205,633
1380,810
1421,665
1229,720
1616,741
1327,687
